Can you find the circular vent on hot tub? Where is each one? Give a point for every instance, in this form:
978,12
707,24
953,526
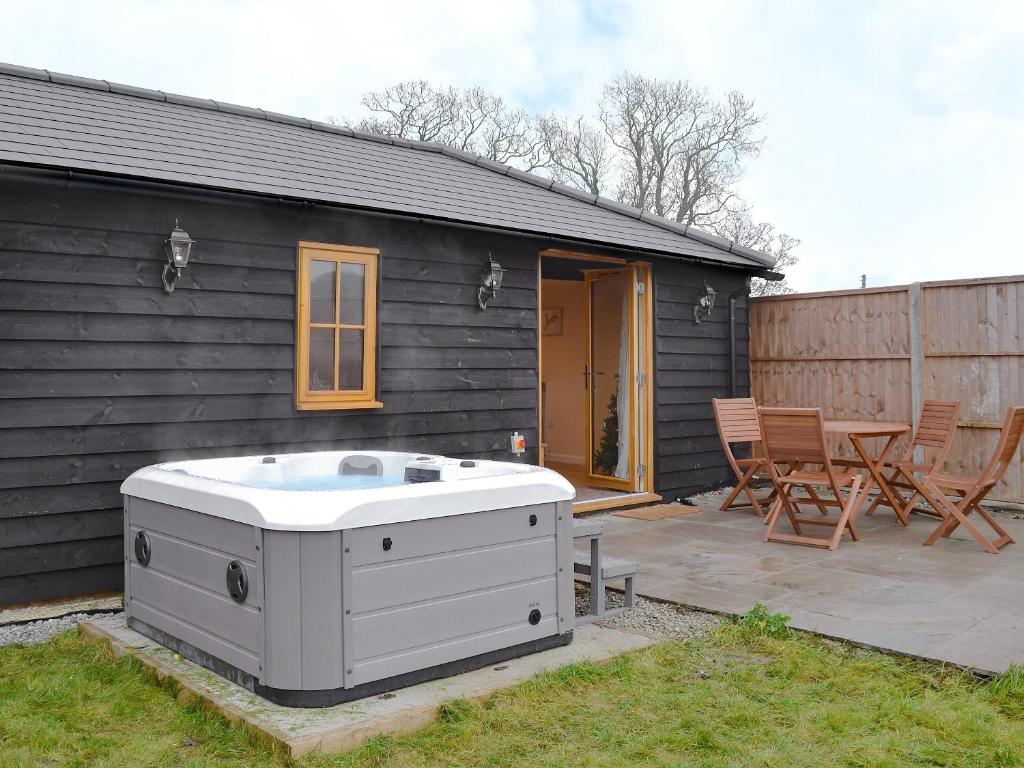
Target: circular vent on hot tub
238,581
143,550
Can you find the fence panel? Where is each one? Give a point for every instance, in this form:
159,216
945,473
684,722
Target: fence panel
876,353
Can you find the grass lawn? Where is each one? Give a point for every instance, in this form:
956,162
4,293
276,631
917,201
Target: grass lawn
737,698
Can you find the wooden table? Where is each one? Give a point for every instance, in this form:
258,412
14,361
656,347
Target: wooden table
857,432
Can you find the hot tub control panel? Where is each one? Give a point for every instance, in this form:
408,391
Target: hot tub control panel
429,469
422,474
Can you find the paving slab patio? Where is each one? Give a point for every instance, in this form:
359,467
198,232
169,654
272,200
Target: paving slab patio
952,602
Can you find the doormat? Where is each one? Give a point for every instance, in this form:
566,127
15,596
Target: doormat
658,511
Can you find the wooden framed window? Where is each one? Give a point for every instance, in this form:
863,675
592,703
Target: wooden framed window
336,365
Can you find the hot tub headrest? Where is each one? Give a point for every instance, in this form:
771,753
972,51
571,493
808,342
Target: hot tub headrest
361,465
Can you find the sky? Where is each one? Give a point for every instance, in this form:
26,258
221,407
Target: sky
894,133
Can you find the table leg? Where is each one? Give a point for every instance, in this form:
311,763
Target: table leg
874,468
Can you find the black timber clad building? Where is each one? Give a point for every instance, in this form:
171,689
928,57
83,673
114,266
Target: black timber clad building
102,372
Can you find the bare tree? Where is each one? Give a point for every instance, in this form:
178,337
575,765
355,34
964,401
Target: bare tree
761,236
665,146
577,153
681,151
472,120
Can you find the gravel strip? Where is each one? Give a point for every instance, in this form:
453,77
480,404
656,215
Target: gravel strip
711,499
650,618
36,632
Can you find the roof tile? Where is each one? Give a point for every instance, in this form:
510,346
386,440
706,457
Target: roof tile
140,133
81,82
142,93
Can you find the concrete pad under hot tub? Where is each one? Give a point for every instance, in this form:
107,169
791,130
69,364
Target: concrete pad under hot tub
347,726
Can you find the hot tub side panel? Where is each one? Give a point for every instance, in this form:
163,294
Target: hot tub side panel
303,594
181,594
430,592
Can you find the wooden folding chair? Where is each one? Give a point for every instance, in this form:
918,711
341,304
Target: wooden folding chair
972,490
934,437
792,439
737,423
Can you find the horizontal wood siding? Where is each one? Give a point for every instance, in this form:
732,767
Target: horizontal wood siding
102,373
691,367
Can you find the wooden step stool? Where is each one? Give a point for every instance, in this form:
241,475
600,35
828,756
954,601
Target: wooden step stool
611,568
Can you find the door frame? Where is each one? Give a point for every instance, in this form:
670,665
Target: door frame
643,363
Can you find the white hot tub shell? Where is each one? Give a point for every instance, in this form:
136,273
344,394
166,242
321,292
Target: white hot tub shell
313,579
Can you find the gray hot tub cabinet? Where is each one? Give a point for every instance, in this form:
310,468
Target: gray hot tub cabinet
321,617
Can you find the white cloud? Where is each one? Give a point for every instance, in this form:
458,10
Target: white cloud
894,135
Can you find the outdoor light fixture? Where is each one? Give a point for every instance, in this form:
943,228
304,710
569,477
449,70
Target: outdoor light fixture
179,247
705,303
491,278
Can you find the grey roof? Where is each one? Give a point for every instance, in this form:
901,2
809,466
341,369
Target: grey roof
61,121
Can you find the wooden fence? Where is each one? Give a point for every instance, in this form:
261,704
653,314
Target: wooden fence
877,353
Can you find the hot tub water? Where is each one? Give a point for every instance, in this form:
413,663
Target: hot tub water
333,482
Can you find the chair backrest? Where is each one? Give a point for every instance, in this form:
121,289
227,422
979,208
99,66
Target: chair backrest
737,419
1009,439
936,428
794,435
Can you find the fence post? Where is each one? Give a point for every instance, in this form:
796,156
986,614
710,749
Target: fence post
916,356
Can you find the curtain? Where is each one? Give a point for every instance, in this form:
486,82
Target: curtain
622,397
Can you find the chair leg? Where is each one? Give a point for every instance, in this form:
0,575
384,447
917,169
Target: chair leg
920,492
955,517
774,516
755,504
909,506
743,486
784,505
817,501
937,499
742,481
770,501
1004,537
792,511
978,534
954,523
845,517
773,511
874,506
777,504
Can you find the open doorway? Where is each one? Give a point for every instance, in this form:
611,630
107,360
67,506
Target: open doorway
595,348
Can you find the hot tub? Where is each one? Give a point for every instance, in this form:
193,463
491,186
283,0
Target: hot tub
317,578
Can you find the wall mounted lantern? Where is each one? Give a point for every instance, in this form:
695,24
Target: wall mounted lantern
179,247
705,303
491,279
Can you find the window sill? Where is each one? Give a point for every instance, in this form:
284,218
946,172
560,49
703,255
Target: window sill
352,405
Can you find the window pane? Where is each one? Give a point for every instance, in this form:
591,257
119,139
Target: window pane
321,291
351,350
352,289
321,359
